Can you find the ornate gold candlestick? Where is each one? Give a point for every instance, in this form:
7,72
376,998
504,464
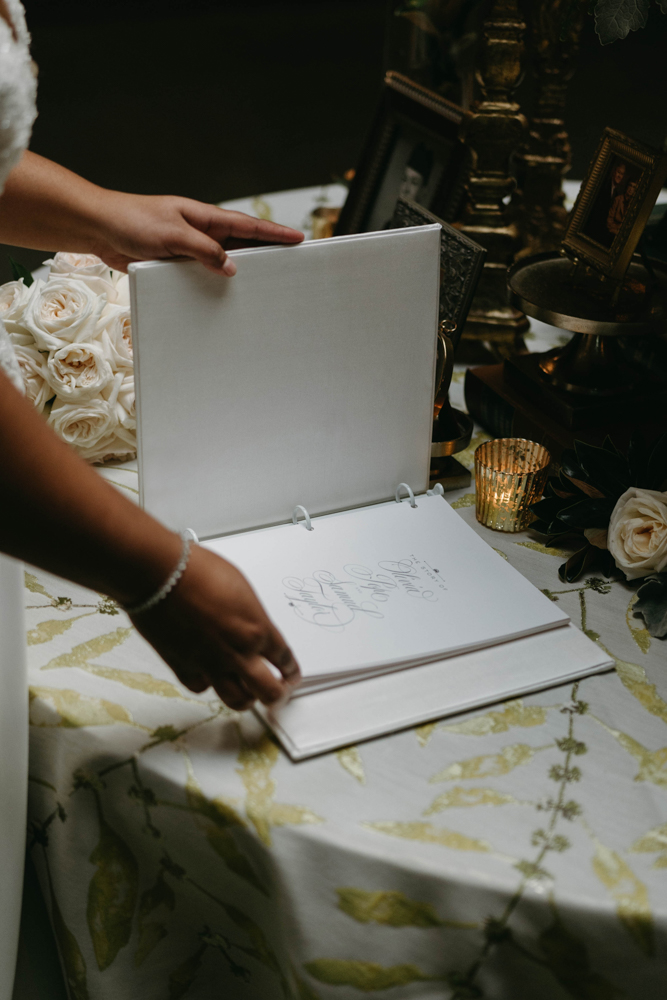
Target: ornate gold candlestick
493,132
541,166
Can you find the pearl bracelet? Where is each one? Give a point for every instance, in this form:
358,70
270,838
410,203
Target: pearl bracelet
187,537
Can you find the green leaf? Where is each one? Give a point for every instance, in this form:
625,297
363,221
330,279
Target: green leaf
70,954
112,896
657,463
568,961
652,604
182,978
615,18
589,513
578,563
607,470
20,271
366,976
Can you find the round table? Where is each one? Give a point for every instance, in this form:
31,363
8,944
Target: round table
514,852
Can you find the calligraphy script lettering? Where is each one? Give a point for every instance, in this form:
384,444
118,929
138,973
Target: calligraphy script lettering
331,603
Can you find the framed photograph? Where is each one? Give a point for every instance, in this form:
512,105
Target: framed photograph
461,262
414,152
614,203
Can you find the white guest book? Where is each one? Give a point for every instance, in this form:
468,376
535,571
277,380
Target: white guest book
307,381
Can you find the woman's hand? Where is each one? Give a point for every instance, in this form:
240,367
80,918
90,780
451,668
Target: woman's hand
212,630
148,227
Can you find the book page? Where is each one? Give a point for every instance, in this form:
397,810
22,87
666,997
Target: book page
378,587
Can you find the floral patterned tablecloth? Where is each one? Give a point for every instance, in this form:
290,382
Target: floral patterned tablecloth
515,852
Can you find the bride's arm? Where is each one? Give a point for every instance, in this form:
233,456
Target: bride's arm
58,513
46,207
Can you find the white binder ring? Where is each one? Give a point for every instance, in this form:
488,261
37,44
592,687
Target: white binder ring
301,510
437,491
404,486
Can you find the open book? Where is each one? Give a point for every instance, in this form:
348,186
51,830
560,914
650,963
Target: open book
385,587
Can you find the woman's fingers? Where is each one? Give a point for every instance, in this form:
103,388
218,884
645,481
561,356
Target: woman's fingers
278,652
233,693
190,242
221,224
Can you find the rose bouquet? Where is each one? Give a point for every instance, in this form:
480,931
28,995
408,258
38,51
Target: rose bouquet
616,505
73,341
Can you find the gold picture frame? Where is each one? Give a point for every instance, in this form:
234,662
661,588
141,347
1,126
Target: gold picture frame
614,203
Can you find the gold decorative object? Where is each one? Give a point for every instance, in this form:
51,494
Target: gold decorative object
510,475
323,222
494,131
542,164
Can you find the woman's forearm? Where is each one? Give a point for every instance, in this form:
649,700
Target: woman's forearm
58,513
46,207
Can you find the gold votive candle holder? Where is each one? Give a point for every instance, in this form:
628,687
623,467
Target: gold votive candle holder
510,475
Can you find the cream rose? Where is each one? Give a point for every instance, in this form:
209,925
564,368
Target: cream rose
13,298
33,372
77,372
115,331
637,537
84,425
84,267
62,311
121,283
118,446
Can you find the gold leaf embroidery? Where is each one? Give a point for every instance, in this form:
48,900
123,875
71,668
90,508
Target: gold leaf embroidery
350,759
424,733
634,678
515,713
262,209
45,631
629,893
654,840
393,909
546,550
138,681
652,763
429,834
468,500
638,630
90,650
501,553
74,709
257,762
462,797
112,895
489,765
467,456
35,587
365,976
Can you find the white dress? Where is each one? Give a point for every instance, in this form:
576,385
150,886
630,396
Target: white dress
17,114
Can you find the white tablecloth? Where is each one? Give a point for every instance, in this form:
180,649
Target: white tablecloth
509,853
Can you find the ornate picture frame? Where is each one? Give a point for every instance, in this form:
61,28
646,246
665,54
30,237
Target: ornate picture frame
614,203
413,150
461,263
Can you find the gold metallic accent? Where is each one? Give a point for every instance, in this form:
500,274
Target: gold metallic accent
510,475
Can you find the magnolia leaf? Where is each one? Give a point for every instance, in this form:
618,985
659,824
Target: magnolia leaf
567,958
366,976
590,513
73,962
615,18
20,271
652,604
578,563
182,978
390,908
657,463
112,896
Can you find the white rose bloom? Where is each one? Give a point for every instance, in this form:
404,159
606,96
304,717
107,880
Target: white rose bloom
63,311
33,370
77,372
84,267
637,537
13,298
125,405
121,283
118,446
84,426
115,331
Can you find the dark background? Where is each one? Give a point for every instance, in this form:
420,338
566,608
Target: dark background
216,99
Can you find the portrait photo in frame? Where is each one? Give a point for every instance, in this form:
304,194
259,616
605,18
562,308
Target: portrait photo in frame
614,203
413,151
